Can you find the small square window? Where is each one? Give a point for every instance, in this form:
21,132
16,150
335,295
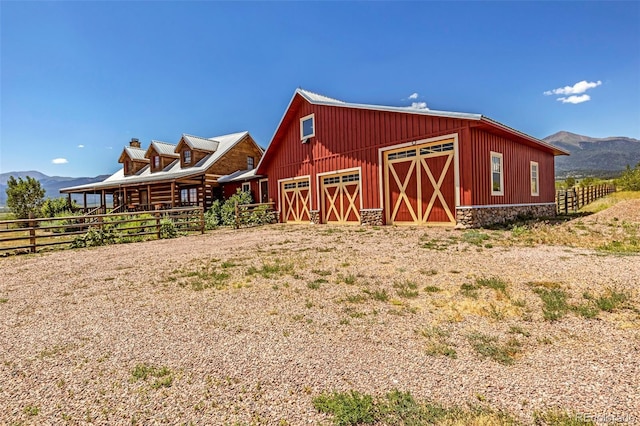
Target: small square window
307,127
246,187
186,155
250,161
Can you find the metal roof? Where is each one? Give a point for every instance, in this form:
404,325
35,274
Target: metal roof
317,99
135,153
204,144
164,148
237,176
173,171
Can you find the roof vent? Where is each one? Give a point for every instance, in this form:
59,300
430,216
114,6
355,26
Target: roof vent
134,143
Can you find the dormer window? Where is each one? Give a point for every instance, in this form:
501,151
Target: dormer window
250,161
186,156
307,128
156,162
127,167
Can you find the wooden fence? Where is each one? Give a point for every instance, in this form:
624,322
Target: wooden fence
28,235
570,200
245,214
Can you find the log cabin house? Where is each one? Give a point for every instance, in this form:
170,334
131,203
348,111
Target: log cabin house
166,175
331,161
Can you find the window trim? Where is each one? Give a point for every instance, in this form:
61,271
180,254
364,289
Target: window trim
535,193
491,157
184,156
246,185
313,124
156,162
253,162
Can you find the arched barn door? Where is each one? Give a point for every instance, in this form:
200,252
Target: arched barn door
296,195
420,184
340,197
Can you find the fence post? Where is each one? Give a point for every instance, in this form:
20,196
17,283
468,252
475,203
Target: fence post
32,232
201,220
157,215
237,215
566,201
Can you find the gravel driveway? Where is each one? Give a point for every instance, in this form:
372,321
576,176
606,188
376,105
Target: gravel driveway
246,327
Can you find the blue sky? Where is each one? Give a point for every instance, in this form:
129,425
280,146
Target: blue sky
80,79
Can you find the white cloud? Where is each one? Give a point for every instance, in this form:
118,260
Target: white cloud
575,99
419,105
59,161
108,147
576,89
80,146
414,95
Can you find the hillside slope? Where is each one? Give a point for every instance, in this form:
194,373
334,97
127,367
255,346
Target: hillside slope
594,156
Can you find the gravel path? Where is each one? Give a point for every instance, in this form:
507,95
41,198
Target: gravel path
259,343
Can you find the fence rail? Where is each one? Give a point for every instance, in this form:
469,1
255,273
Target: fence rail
244,213
32,234
568,200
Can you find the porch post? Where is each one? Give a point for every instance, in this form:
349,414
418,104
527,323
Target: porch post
85,202
149,203
173,194
103,201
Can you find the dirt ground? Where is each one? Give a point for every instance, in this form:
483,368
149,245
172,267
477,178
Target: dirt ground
247,326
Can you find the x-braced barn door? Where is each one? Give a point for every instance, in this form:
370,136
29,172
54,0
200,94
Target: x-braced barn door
340,197
295,201
420,184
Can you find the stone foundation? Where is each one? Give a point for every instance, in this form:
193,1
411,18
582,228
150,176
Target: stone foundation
482,216
371,217
314,217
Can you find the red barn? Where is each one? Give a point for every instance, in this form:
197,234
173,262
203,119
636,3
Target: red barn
336,162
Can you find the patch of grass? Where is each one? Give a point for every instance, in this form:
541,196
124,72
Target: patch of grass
428,272
347,408
325,249
271,270
3,300
31,410
469,290
474,237
560,418
435,244
406,289
163,377
586,310
495,283
356,298
315,284
379,295
397,408
432,289
516,329
437,344
490,347
612,299
321,272
554,303
228,264
349,279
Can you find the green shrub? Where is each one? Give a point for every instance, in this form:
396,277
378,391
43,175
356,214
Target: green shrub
168,229
54,207
350,408
224,213
95,237
630,179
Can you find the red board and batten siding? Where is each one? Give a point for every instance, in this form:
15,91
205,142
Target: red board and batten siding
516,163
346,138
230,188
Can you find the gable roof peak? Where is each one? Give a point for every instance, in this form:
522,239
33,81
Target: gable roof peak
316,97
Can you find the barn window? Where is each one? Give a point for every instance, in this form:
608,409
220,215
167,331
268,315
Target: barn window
289,185
186,156
402,154
246,187
250,162
307,127
535,189
497,177
303,184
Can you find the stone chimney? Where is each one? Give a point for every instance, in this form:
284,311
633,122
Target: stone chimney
134,143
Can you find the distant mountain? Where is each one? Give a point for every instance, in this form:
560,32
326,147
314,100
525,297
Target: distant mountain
604,157
51,184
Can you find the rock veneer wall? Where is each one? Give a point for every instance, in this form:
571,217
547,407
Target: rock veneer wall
483,216
371,217
314,217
